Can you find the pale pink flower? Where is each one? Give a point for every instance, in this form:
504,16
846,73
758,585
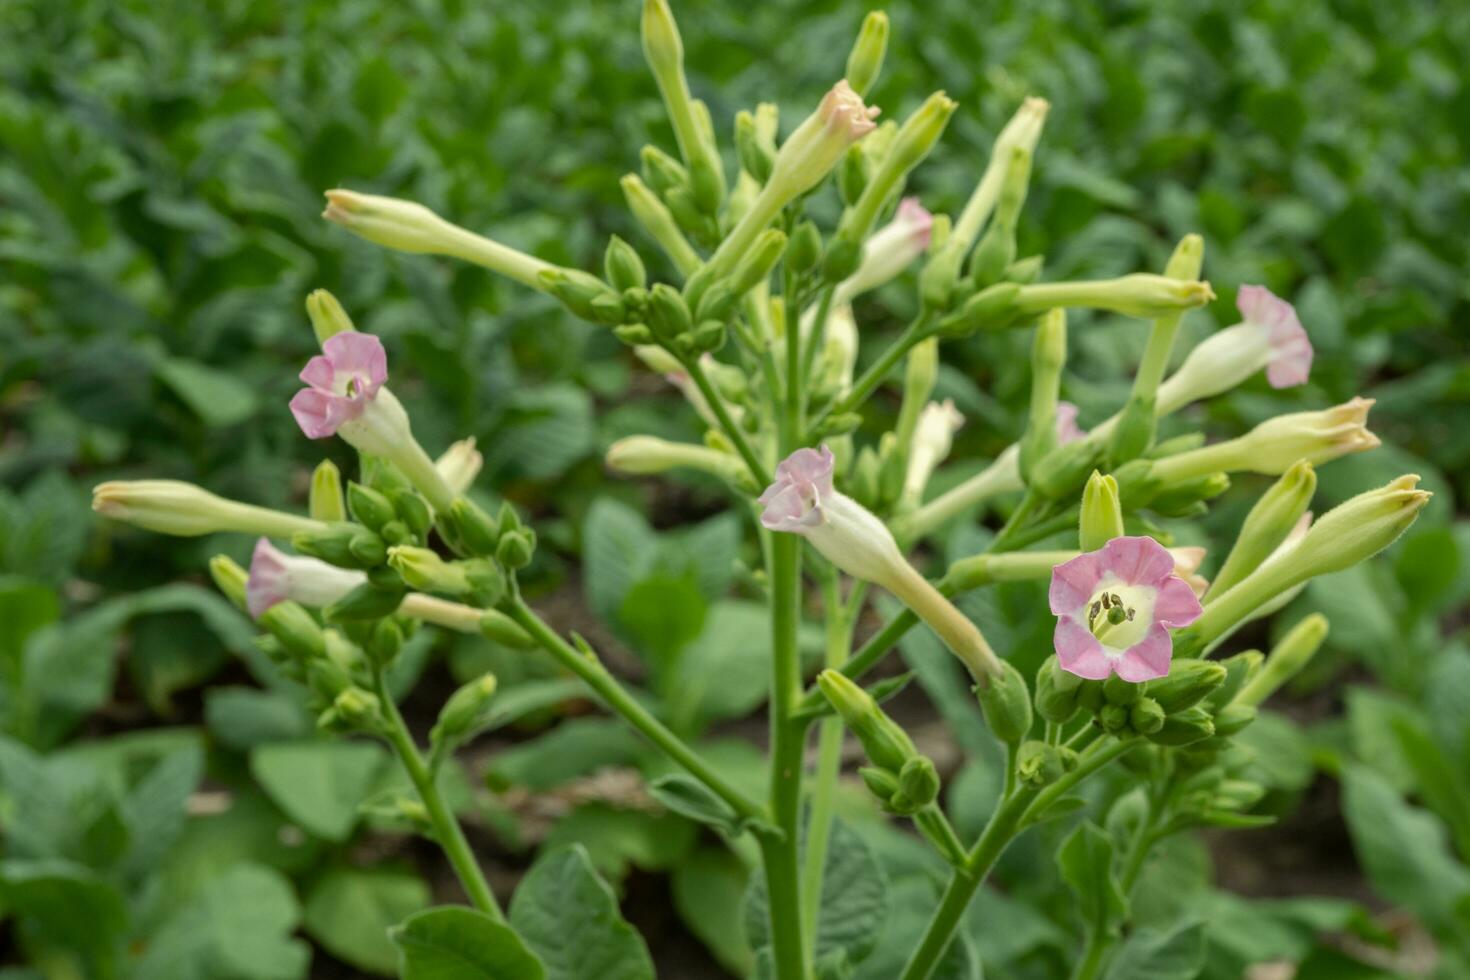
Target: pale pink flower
843,112
1115,607
1067,428
278,577
343,380
889,251
1290,349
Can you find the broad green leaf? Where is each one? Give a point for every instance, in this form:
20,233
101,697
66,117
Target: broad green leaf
319,784
709,887
855,900
569,917
244,717
1403,849
154,809
218,397
453,943
571,749
25,607
1282,758
725,673
238,924
1086,862
662,615
1152,954
618,840
69,904
618,548
350,911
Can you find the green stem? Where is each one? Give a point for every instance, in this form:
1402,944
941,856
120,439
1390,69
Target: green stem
819,330
916,331
447,831
788,735
617,699
829,757
794,404
425,476
1099,944
727,424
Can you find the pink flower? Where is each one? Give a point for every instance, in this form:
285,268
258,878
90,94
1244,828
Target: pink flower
1290,349
889,251
794,501
1067,428
1115,607
343,380
278,577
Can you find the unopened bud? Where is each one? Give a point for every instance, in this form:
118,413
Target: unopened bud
918,782
327,316
622,265
1056,692
1294,652
1234,718
1187,683
1102,512
325,501
1268,524
866,59
1141,294
229,578
1040,764
886,745
1007,704
1184,727
1146,716
466,712
369,507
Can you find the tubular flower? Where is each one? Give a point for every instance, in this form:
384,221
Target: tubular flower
1115,607
933,438
277,577
1187,561
802,500
889,251
1289,351
343,381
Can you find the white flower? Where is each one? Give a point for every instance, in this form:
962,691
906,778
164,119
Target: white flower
278,577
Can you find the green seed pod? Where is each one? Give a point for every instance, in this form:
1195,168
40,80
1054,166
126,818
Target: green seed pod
1146,716
369,507
1184,727
412,510
1188,683
668,314
1007,705
1233,719
515,550
1056,692
623,266
385,642
1113,718
805,249
919,781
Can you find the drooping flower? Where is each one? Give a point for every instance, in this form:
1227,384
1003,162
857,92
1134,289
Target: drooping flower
889,251
343,380
933,438
1289,349
1271,337
278,577
1115,607
802,500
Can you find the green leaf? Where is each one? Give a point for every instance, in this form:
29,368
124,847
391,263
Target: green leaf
154,809
569,917
571,749
68,904
662,615
244,717
239,924
350,912
25,607
1403,849
709,887
618,840
453,943
855,900
1282,758
1086,862
1426,564
690,798
219,398
1156,954
319,784
725,673
618,548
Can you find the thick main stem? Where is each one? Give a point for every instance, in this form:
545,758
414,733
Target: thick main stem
788,733
447,830
829,756
620,701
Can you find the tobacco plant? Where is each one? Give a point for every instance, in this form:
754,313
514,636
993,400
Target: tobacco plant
755,325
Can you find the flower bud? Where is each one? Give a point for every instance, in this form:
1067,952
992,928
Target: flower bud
668,314
805,249
997,248
369,507
229,578
1048,357
327,316
1056,692
913,142
886,745
344,545
933,437
1278,443
1239,669
939,276
516,549
1023,131
185,510
1040,764
1268,524
295,629
648,455
887,253
1187,683
410,227
1184,727
755,267
353,709
880,782
1233,719
1113,718
367,601
1287,659
989,310
921,371
918,782
466,712
756,154
1102,512
866,58
622,265
424,570
664,52
656,219
325,498
1007,704
1146,716
1141,294
1186,498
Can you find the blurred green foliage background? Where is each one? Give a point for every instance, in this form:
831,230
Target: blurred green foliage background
161,166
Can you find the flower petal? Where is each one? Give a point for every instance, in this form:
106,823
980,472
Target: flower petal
1176,605
1148,658
1079,652
1067,428
360,355
319,372
267,584
1072,584
1137,560
320,414
785,509
808,466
